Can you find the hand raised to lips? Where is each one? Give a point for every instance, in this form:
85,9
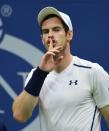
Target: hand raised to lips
48,61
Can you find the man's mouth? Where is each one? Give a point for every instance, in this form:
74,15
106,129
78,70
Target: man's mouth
53,43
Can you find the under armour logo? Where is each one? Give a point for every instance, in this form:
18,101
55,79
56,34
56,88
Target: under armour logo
71,82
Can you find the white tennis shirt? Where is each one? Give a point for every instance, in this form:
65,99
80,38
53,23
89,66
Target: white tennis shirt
68,100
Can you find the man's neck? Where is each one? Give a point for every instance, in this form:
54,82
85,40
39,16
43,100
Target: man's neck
64,63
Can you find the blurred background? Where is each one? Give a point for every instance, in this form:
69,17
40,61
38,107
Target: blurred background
21,47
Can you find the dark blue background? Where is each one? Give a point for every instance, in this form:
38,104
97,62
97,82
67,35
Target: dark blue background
90,20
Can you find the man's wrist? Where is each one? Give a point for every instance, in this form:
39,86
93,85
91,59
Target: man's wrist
35,83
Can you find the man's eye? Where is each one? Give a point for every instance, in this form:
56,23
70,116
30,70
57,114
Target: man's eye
56,29
45,31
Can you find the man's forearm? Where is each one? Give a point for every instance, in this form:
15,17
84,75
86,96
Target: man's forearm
23,106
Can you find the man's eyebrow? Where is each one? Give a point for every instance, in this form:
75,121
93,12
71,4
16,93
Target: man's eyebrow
57,27
53,28
45,29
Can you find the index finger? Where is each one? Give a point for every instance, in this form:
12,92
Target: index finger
51,45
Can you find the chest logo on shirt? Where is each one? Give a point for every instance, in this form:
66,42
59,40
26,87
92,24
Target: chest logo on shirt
73,82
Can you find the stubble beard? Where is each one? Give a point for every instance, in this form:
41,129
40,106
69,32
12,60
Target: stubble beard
61,53
62,50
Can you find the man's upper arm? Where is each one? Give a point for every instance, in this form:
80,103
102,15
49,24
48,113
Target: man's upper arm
101,91
105,112
100,87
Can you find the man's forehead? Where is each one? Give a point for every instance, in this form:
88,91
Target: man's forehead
52,20
52,27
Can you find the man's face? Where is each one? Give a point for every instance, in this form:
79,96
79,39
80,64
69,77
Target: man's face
53,31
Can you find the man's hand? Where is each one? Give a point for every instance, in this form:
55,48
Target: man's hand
48,61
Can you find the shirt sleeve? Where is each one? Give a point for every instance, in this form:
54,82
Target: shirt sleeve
101,87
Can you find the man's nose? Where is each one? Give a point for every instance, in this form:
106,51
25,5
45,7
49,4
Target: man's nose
50,34
50,37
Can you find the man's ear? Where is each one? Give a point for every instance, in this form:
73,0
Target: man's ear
70,35
42,39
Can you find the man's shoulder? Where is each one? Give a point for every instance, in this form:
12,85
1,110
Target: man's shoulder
80,62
